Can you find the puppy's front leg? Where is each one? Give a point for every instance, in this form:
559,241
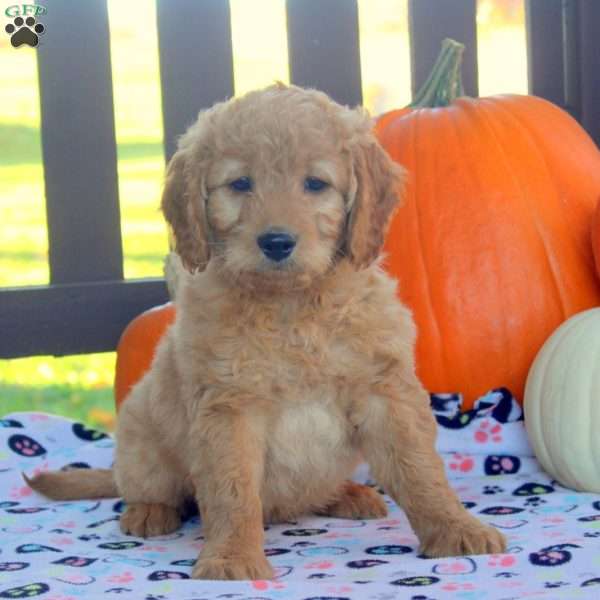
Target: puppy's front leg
227,474
397,435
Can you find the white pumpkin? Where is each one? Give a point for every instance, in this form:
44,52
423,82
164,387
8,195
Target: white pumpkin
562,403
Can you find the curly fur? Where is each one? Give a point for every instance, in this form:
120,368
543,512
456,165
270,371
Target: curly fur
276,379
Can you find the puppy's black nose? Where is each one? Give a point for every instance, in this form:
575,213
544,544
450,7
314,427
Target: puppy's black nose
276,246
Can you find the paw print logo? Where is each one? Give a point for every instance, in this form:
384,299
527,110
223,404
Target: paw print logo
492,489
487,432
24,31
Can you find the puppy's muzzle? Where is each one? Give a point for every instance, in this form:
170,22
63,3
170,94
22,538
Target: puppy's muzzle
276,245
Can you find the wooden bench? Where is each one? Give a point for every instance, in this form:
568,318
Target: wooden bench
88,303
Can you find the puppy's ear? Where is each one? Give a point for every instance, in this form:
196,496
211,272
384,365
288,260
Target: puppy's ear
378,183
184,210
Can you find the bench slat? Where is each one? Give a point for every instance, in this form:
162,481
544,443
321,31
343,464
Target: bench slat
78,143
196,61
545,65
430,21
72,318
323,47
589,56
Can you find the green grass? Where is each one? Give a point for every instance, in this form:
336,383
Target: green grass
77,386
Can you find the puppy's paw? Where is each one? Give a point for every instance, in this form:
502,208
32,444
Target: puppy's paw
468,536
233,567
149,520
357,502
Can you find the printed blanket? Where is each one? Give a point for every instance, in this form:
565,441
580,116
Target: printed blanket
69,550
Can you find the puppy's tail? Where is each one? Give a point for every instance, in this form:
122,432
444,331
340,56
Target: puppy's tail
76,484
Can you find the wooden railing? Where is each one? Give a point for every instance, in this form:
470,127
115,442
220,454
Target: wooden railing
88,303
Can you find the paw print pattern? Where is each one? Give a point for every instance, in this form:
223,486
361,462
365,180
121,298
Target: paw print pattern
365,564
120,545
86,434
388,549
89,537
458,421
190,562
271,552
553,556
554,584
304,532
26,591
23,445
502,560
75,561
535,501
533,489
590,519
125,577
488,432
31,548
455,566
461,463
457,587
163,575
10,423
492,489
418,581
501,510
75,465
13,566
24,31
501,464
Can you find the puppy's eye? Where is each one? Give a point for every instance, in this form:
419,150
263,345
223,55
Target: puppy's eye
314,184
241,184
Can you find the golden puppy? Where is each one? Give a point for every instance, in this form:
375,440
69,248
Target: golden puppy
291,356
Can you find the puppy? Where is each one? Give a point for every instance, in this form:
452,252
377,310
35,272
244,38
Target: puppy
291,357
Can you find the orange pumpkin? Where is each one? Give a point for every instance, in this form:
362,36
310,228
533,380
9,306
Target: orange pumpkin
596,237
137,345
492,244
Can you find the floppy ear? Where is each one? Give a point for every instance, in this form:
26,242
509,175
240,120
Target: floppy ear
378,185
184,210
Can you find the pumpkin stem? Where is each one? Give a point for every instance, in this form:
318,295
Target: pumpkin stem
444,83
